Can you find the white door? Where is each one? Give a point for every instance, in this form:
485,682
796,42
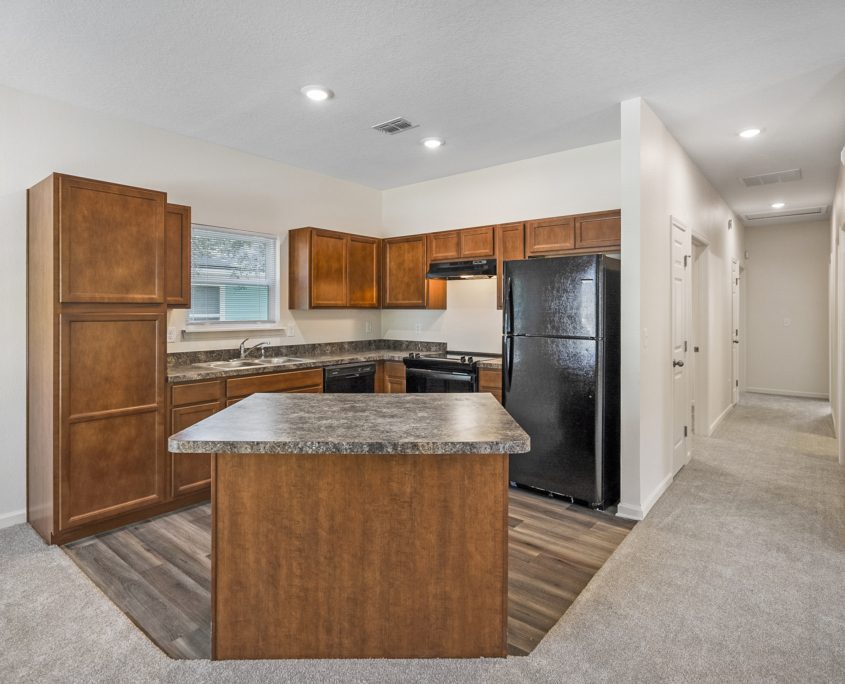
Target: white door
681,260
734,331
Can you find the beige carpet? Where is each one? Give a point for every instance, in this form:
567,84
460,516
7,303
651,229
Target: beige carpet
738,574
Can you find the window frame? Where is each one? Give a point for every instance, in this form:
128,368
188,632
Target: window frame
274,287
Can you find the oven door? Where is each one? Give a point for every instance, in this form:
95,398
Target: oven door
425,380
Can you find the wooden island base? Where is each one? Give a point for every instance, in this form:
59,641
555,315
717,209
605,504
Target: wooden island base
359,556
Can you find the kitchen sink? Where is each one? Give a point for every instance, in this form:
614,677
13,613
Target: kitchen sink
280,359
236,363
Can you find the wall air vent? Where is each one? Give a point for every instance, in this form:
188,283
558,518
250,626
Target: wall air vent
771,178
807,213
394,126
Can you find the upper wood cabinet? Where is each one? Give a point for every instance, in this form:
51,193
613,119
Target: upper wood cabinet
469,243
363,271
549,236
444,246
510,245
177,256
600,230
404,285
478,243
111,242
330,269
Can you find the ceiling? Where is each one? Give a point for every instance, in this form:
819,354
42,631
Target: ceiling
500,81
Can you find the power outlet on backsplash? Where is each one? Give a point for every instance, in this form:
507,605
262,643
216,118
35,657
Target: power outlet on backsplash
368,327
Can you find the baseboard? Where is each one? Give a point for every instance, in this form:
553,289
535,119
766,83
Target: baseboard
634,512
788,393
721,417
12,518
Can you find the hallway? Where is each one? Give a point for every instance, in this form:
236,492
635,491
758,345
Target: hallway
735,575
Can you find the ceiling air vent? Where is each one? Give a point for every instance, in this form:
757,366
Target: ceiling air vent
394,126
771,178
809,212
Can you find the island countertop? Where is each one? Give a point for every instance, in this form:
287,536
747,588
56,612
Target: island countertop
463,423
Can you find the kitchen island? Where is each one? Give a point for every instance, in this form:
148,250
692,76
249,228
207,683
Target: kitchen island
358,525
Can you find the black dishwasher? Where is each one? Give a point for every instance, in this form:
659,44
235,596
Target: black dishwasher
350,377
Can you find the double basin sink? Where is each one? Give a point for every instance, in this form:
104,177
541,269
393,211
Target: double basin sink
250,363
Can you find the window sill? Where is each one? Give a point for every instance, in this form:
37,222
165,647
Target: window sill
215,329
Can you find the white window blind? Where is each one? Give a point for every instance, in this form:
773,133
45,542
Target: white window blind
233,276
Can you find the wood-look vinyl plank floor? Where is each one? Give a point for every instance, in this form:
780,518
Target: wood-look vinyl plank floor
158,571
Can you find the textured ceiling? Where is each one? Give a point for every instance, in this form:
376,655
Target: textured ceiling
499,80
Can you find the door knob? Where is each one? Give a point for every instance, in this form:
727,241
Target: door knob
679,364
736,341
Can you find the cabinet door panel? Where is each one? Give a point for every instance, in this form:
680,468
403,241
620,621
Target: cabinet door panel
363,272
477,243
394,377
177,256
110,465
328,269
444,246
598,231
190,472
511,245
549,236
111,242
404,272
111,440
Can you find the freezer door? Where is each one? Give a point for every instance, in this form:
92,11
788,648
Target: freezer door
552,297
550,390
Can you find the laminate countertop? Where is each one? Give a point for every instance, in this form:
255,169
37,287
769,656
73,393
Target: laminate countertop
196,372
461,423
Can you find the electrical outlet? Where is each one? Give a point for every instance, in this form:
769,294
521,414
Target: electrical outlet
787,322
417,327
290,329
173,334
368,327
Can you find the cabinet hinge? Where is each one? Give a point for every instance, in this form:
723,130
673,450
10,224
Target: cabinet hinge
685,345
685,430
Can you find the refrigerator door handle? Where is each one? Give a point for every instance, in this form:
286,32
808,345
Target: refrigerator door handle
508,306
509,362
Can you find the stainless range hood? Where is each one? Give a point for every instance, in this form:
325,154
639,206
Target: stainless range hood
470,269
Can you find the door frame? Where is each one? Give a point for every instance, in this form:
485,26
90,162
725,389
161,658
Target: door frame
699,316
676,467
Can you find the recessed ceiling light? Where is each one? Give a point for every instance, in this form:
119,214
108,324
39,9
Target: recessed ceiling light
778,205
317,93
749,133
432,143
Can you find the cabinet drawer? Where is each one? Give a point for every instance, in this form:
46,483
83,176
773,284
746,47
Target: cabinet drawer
196,392
276,382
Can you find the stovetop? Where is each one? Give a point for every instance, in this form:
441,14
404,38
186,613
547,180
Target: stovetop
448,358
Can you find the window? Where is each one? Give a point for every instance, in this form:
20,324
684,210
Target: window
233,276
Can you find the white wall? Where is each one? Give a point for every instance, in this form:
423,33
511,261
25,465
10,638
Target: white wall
581,180
787,280
837,310
224,187
659,181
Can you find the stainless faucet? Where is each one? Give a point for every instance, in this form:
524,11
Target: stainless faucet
246,350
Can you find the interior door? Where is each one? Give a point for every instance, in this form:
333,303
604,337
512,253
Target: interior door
550,389
681,260
734,331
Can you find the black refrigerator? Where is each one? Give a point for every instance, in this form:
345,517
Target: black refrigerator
560,374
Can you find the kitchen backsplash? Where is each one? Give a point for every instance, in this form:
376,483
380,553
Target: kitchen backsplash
306,350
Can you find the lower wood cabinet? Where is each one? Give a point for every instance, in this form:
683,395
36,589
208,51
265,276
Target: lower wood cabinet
190,472
394,377
490,380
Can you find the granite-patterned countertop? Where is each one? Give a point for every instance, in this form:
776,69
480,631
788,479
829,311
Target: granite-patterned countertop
194,372
462,423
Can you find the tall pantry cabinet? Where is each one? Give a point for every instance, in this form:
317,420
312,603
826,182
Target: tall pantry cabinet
96,355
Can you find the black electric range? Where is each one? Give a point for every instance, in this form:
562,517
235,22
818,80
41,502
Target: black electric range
445,372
